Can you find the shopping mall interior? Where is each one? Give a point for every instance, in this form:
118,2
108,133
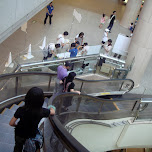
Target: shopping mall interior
113,111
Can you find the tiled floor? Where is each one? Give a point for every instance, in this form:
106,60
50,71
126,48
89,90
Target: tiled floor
62,20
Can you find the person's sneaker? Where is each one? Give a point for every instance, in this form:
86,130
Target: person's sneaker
109,31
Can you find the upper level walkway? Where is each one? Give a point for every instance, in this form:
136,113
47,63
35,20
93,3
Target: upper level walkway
63,20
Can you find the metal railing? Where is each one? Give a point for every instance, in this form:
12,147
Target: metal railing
78,61
16,84
83,106
144,110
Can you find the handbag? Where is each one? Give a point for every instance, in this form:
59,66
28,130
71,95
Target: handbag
32,144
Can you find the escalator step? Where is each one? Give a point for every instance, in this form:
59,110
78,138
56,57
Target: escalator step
6,128
14,107
4,147
21,104
4,119
7,138
8,112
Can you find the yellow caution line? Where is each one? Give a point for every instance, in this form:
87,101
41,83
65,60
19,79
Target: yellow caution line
3,111
116,106
11,106
20,103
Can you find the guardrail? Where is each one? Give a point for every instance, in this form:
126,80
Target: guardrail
15,84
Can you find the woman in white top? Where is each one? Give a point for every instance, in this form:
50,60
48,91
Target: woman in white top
85,49
108,47
105,37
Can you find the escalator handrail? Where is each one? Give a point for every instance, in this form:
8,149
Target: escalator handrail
65,137
11,75
63,134
108,80
96,98
7,76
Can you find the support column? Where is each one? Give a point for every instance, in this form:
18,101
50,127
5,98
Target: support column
141,44
131,12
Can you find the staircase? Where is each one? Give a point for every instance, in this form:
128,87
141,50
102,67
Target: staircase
7,140
7,132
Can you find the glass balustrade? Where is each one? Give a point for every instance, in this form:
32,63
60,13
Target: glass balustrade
18,83
81,64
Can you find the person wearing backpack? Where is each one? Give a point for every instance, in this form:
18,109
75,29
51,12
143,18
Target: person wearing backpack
30,115
69,87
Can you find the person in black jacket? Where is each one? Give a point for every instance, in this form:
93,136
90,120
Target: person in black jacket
69,87
112,19
30,115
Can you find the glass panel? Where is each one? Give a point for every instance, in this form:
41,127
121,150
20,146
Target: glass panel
7,88
89,87
145,112
27,82
71,107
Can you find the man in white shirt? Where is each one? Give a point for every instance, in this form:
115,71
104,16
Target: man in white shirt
50,50
61,38
107,48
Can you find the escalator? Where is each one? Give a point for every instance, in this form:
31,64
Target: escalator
115,107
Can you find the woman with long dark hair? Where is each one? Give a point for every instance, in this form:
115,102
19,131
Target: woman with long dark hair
30,115
69,87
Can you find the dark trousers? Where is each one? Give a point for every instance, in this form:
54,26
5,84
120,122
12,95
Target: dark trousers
110,26
49,56
101,61
50,16
19,142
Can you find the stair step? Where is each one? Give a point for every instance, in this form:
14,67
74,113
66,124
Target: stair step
14,107
7,138
6,128
21,104
8,112
4,147
4,119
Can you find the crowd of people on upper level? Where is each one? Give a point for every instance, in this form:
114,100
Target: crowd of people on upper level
76,47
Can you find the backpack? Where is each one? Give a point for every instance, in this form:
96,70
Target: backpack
32,144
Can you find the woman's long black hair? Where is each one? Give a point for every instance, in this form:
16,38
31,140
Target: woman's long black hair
34,98
70,77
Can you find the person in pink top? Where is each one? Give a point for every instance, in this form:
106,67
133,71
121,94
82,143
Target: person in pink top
102,20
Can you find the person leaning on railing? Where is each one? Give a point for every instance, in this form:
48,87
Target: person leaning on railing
30,115
69,85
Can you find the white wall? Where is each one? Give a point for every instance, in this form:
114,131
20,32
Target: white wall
14,13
